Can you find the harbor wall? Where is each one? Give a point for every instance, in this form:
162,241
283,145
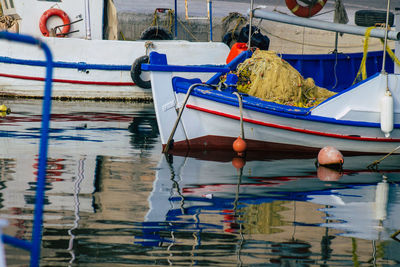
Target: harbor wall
131,25
283,38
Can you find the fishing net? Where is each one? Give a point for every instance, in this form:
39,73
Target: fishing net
267,76
231,27
8,23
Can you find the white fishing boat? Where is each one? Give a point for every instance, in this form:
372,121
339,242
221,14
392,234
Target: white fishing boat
89,62
360,116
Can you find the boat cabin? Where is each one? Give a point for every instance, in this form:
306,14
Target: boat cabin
88,19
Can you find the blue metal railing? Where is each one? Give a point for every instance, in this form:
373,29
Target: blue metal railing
82,66
35,244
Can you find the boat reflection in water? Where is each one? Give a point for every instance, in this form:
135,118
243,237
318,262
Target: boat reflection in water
112,198
275,211
93,146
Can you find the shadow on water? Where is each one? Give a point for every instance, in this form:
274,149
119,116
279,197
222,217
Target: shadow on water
113,198
144,131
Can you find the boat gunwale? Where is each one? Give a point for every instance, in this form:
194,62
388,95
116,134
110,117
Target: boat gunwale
267,107
81,66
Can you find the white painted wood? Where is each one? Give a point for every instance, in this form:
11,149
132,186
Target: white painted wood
76,49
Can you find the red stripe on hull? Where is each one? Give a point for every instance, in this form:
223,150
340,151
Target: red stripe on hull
292,129
68,81
223,143
219,148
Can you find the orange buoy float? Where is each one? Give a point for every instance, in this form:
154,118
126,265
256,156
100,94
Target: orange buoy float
330,156
54,12
328,175
305,11
238,162
239,145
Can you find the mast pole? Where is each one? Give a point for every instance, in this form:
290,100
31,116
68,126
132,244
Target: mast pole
250,23
176,19
386,37
87,20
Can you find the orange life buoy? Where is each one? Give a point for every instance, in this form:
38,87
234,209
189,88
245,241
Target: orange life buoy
304,11
54,12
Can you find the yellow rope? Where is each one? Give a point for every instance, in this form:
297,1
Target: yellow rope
362,71
122,35
240,21
187,30
391,54
168,22
155,19
232,18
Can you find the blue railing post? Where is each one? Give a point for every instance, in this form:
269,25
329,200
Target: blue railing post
176,19
211,23
35,244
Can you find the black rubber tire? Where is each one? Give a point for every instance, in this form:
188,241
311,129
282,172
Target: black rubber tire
258,40
368,18
230,40
136,71
155,33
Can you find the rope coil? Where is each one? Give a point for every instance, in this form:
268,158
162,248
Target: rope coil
169,20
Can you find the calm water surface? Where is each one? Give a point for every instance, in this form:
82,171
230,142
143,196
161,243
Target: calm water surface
112,198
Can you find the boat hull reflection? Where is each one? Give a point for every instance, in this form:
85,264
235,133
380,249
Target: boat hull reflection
357,203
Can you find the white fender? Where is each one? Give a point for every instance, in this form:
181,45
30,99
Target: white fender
386,106
381,200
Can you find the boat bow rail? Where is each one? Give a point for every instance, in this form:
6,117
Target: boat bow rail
158,62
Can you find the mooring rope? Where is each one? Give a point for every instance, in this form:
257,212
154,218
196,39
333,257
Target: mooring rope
169,21
376,162
362,70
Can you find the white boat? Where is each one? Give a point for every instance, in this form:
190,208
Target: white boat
89,62
364,117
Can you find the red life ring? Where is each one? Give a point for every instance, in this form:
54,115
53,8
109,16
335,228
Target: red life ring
54,12
304,11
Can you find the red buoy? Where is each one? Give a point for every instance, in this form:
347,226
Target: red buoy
328,175
238,163
330,156
239,145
